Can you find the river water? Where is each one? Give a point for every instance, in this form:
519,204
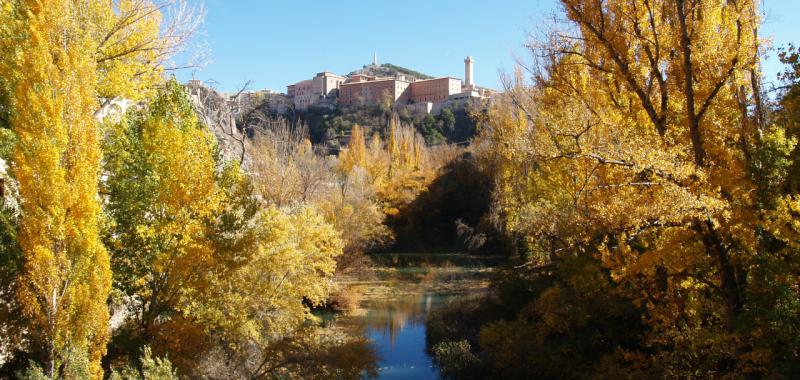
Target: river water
396,296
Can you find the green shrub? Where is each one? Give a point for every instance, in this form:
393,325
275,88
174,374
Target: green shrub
151,369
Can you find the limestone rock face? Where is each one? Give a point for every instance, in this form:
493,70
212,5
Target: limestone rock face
9,195
113,109
214,109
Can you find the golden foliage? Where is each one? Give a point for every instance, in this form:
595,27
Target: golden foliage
289,173
401,168
199,260
67,277
355,155
60,58
162,199
634,142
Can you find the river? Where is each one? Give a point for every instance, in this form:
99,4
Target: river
398,293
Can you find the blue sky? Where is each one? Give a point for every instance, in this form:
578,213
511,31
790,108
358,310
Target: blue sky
278,42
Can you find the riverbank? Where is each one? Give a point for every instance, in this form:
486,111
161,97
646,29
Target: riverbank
395,296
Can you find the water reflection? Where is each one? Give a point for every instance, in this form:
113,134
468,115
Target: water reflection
391,317
397,296
398,333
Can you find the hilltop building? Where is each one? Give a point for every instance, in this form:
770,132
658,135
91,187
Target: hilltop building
468,73
424,95
367,90
435,90
322,86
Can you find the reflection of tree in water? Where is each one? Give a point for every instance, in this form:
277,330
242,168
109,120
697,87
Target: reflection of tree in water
402,289
393,316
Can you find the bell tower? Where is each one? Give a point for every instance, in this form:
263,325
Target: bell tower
468,72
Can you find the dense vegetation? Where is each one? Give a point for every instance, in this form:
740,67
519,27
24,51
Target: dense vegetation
132,248
328,125
640,179
651,188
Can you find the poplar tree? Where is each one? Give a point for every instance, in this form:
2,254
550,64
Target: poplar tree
355,155
62,62
66,276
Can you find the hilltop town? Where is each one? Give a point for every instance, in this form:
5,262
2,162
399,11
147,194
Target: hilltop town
421,95
329,104
374,84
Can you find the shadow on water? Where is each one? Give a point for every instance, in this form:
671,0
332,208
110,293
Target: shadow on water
398,293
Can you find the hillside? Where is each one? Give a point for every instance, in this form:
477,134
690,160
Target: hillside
389,70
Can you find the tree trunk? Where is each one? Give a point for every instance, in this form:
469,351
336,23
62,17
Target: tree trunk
688,72
727,273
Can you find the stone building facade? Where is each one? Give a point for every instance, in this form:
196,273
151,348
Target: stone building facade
434,90
312,91
372,91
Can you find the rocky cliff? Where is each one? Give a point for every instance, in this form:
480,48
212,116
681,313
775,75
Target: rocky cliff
216,112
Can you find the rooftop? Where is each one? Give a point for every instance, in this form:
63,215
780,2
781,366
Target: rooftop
375,80
438,78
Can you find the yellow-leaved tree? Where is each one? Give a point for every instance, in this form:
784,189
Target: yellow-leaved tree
289,172
206,265
409,164
393,173
355,155
634,144
163,195
62,61
66,277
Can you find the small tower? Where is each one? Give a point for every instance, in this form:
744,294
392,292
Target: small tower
375,59
468,72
